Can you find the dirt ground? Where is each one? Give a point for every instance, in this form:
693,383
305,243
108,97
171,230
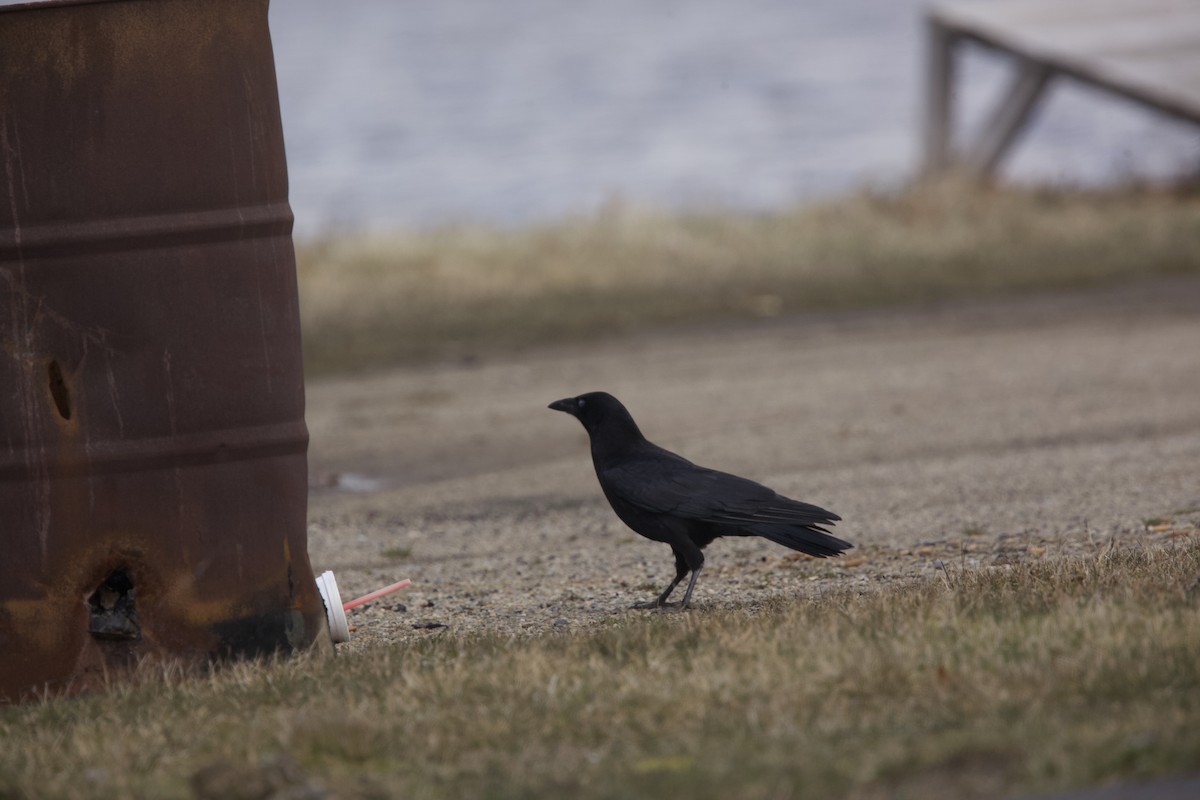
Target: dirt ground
946,437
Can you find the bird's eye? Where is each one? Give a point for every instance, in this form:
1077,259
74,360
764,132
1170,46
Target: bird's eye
582,402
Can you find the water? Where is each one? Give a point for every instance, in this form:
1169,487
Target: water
418,113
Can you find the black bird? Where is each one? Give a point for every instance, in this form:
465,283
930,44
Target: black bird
669,499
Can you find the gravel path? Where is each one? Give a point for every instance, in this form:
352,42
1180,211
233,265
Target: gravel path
974,435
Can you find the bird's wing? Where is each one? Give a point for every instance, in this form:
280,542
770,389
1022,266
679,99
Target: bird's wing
665,483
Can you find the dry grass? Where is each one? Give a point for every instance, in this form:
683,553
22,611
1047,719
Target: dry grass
459,291
1028,677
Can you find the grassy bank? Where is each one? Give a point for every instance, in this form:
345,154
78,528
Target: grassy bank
972,684
459,291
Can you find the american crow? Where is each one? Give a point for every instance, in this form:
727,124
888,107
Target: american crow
669,499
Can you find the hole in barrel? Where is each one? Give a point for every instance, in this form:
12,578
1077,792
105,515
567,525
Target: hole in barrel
59,391
112,608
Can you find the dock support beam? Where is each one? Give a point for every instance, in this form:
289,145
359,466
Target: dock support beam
939,101
1003,125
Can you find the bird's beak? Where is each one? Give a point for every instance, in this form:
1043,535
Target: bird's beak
567,404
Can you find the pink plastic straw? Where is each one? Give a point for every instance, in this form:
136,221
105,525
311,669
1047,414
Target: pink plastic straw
375,595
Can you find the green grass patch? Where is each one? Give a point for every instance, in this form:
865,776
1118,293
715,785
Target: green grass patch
374,300
1029,677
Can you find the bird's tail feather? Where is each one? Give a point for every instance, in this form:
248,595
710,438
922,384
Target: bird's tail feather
805,538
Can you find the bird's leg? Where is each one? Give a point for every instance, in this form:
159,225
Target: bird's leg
681,570
661,600
687,595
694,559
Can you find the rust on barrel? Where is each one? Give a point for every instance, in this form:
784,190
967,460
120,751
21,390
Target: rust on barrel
153,472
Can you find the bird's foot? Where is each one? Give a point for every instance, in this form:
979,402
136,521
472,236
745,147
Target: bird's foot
655,605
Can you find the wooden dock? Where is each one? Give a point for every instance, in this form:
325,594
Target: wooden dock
1145,50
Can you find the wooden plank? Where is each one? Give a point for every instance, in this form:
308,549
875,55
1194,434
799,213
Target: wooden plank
1159,67
1024,14
1172,74
1083,36
1098,46
1144,85
1107,36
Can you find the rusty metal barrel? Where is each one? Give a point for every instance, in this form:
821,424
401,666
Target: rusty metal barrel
153,450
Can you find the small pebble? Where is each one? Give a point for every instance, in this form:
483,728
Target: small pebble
429,626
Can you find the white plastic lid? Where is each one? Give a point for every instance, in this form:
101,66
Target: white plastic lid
339,630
